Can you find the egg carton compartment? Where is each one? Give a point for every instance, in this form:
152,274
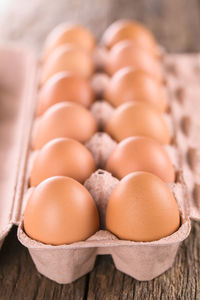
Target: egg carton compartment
66,263
140,260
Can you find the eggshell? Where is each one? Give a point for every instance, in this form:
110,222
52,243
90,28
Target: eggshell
66,33
68,58
62,156
140,154
64,86
137,119
60,211
65,119
126,53
141,208
135,85
130,30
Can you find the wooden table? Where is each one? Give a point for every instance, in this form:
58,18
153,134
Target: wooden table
176,25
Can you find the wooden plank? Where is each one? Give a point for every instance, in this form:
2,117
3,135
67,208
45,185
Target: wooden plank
182,281
19,278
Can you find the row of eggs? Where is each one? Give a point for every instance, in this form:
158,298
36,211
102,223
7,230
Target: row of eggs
129,119
141,208
71,47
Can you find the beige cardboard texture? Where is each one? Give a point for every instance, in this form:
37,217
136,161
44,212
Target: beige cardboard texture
16,74
183,85
142,261
66,263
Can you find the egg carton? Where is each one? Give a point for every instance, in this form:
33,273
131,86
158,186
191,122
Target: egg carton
66,263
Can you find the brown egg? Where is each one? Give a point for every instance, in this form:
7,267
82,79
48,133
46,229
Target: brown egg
60,211
65,157
130,30
65,86
68,58
65,119
140,154
135,85
127,54
141,208
137,119
69,34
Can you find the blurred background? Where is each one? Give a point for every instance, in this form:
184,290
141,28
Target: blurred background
175,23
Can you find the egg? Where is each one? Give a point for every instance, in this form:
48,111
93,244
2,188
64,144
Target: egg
135,85
130,30
67,58
137,119
128,54
140,154
141,208
65,157
67,33
64,86
65,119
60,211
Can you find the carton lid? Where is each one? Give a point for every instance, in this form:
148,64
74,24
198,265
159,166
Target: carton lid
17,76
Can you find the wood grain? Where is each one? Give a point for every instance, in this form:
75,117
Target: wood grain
176,25
182,281
19,278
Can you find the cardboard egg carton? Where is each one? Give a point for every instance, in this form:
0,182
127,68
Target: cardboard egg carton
66,263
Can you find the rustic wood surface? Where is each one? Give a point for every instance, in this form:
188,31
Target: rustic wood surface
176,25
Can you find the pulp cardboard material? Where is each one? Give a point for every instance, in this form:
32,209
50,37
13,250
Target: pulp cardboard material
17,81
66,263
